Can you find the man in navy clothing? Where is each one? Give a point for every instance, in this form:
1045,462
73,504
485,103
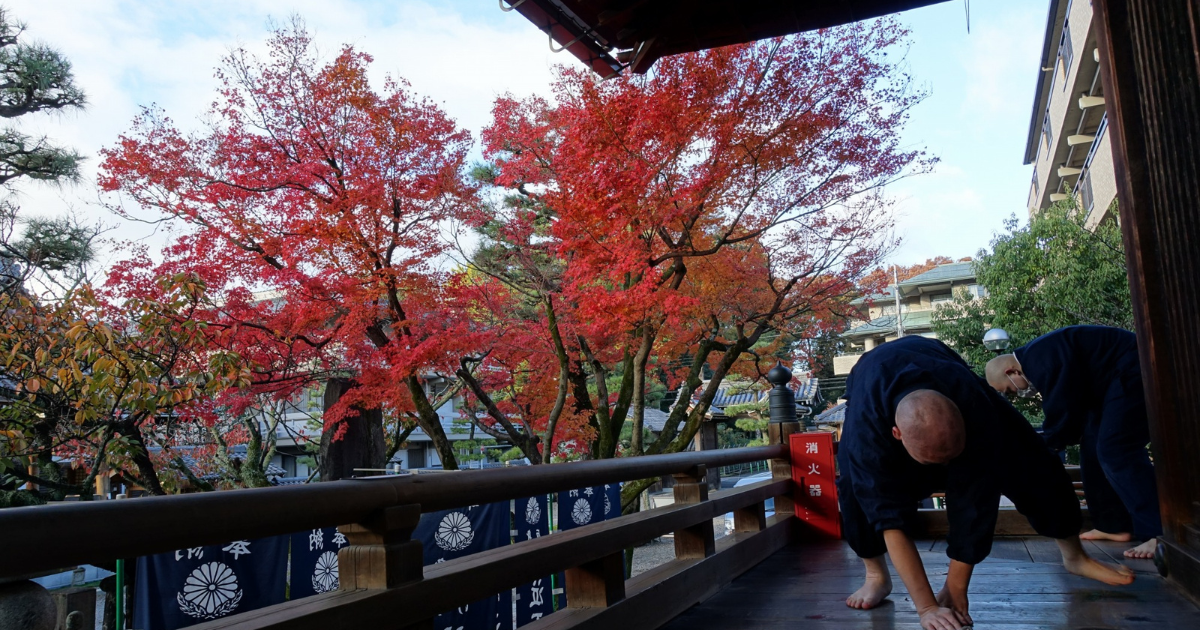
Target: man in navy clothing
1090,383
918,420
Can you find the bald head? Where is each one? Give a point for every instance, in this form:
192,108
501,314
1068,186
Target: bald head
930,426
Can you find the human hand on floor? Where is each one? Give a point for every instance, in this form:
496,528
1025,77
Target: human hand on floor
939,618
956,601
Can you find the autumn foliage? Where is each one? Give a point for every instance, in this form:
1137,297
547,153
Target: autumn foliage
704,216
311,207
623,240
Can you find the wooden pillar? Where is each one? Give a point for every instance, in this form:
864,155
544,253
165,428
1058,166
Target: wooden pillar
781,467
103,484
598,583
381,553
1150,68
752,518
706,440
697,541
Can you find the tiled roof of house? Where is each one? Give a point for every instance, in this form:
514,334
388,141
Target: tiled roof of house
943,273
913,320
837,413
874,298
805,392
655,419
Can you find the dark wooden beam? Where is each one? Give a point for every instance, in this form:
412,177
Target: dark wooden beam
595,548
1009,522
63,535
660,594
1151,75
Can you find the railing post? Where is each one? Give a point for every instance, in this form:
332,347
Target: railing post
381,553
783,424
752,518
697,541
598,583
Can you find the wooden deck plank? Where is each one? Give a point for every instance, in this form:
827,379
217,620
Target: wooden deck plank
1003,549
1116,553
1043,550
803,587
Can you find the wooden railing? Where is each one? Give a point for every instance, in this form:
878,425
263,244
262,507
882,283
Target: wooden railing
383,583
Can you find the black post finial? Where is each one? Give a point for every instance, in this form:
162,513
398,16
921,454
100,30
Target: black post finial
782,401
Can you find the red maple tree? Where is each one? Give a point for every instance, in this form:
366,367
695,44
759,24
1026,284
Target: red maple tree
701,216
311,206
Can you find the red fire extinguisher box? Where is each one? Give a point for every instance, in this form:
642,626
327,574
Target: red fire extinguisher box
814,473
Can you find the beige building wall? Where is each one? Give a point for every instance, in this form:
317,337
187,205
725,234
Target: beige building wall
1077,160
1061,96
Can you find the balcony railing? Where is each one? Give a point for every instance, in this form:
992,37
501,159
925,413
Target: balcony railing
1083,184
382,581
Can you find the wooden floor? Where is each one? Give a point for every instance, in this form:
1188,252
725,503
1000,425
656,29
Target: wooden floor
1021,586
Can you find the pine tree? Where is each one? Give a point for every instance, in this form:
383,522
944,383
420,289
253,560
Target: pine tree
36,78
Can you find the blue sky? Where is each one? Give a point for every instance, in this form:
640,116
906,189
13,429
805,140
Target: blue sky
463,53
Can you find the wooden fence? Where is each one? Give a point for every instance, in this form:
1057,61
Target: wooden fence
383,582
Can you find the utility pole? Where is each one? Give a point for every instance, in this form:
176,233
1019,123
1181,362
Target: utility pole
896,292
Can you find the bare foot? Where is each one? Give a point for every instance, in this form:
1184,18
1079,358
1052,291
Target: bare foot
1144,550
1087,567
874,589
1096,534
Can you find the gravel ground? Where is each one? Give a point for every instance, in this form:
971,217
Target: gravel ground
662,550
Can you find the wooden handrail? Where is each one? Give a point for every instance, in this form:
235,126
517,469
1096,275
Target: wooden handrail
43,538
459,582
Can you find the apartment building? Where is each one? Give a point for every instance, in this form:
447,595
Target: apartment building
918,298
1068,143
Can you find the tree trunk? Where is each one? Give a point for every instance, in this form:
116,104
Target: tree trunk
362,443
564,373
639,389
147,475
431,423
523,440
254,467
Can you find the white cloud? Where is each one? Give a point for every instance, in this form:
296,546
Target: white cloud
127,54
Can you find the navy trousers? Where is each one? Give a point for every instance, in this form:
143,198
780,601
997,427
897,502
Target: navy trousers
1035,482
1118,478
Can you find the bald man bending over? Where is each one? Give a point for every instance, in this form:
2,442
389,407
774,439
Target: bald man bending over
918,420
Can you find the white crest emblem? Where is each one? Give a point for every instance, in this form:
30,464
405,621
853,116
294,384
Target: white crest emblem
581,512
211,591
454,533
325,575
533,512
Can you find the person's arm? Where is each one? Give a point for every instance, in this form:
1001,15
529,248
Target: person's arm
908,564
954,593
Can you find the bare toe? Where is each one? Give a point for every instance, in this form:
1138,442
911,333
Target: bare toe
1143,551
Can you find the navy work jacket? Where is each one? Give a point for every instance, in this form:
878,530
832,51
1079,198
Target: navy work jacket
887,482
1077,370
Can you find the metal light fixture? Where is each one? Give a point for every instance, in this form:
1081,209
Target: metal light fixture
996,340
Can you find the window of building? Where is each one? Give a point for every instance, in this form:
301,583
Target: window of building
1047,134
940,298
1066,53
1085,193
1036,188
977,290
